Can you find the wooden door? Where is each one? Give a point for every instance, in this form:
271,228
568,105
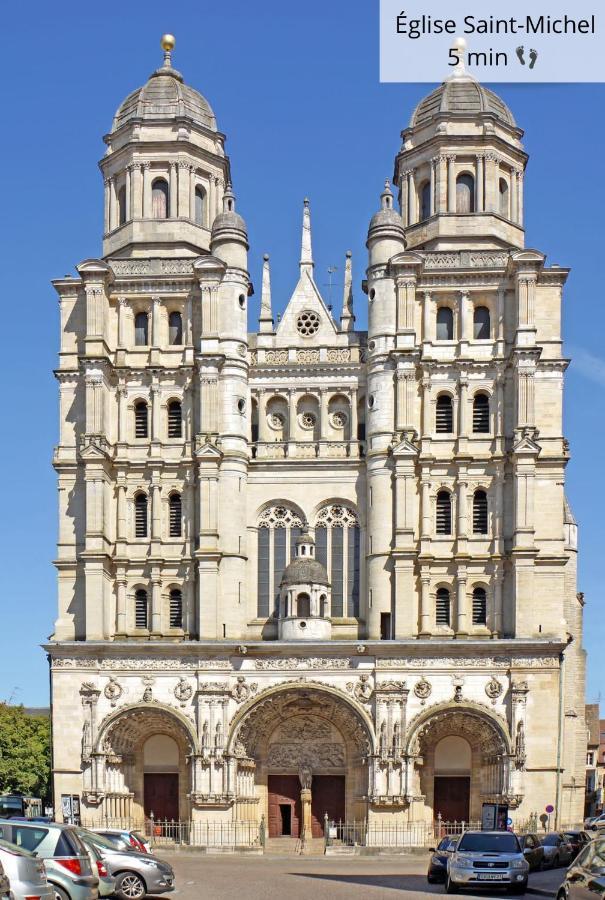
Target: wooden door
327,796
161,795
452,798
284,790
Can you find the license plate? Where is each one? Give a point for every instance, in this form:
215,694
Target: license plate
492,876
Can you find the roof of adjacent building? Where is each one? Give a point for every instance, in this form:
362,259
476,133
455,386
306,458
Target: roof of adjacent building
461,96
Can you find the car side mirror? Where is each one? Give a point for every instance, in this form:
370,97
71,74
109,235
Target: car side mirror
431,850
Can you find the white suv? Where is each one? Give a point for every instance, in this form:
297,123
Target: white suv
487,859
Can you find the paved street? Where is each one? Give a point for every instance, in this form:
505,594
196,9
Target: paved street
263,878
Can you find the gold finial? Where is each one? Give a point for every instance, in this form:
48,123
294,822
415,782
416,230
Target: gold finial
167,43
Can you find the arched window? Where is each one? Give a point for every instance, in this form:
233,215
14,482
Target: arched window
443,607
200,205
444,415
140,419
141,329
465,193
159,199
176,608
141,606
479,606
445,324
278,529
444,513
122,205
425,200
140,515
303,606
503,198
175,510
338,547
323,606
175,328
481,414
482,328
175,419
480,512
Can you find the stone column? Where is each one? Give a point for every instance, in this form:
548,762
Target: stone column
263,427
464,316
514,195
462,508
451,183
113,203
427,423
121,530
155,412
426,509
137,189
156,512
156,603
462,604
192,194
155,321
411,198
497,621
480,177
353,412
122,413
500,298
122,309
520,197
404,199
121,601
184,190
427,331
291,415
128,191
147,190
425,604
107,204
491,182
323,415
305,801
433,164
442,184
173,205
462,407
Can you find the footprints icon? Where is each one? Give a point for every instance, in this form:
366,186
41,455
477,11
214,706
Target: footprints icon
533,56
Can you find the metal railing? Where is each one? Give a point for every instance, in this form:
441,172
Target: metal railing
172,832
399,835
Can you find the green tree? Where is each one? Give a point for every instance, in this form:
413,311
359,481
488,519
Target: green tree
24,752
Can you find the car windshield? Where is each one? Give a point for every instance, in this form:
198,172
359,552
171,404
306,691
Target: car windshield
489,843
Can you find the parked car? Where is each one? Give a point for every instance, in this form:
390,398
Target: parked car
25,872
438,861
136,874
558,851
122,836
487,859
586,875
107,882
533,851
596,822
5,893
577,839
67,863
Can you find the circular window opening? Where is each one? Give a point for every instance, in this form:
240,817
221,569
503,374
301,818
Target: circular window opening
371,401
302,624
339,419
308,323
372,294
241,405
371,345
276,420
242,301
308,420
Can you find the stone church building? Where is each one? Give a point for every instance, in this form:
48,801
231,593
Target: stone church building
310,557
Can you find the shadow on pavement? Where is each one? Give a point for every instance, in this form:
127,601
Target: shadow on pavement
413,884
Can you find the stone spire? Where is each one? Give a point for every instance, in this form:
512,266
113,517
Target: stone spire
266,315
347,318
306,252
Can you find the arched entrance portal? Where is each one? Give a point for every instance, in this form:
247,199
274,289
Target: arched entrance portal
462,759
143,764
310,747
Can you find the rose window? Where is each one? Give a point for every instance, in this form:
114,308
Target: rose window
339,420
276,420
308,323
307,420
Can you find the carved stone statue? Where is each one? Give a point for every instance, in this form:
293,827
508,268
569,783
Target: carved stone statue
520,755
205,736
305,775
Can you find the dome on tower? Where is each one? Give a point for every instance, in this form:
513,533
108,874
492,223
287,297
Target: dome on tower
165,97
304,568
461,96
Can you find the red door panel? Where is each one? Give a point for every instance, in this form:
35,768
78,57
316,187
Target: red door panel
284,789
161,795
452,798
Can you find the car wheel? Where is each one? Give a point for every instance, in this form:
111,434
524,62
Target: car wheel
130,886
450,887
59,893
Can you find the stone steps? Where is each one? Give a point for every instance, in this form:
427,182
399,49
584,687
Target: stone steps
287,846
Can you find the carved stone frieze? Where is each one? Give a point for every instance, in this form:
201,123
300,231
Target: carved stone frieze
113,690
423,689
242,691
362,690
183,691
294,662
493,688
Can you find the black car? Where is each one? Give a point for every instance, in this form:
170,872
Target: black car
585,877
438,861
533,851
577,839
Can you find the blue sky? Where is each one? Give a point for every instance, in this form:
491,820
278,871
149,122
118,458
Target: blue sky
295,87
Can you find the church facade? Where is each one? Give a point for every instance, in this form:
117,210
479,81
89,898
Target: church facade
312,558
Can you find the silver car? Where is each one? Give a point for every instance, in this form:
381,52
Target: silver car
4,885
66,859
484,859
136,873
25,872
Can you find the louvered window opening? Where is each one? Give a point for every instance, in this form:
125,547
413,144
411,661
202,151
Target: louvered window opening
175,420
480,512
444,513
175,515
141,429
141,329
479,607
140,609
176,609
175,328
481,414
444,423
140,515
442,610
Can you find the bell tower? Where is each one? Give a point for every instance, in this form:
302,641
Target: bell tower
460,170
165,169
